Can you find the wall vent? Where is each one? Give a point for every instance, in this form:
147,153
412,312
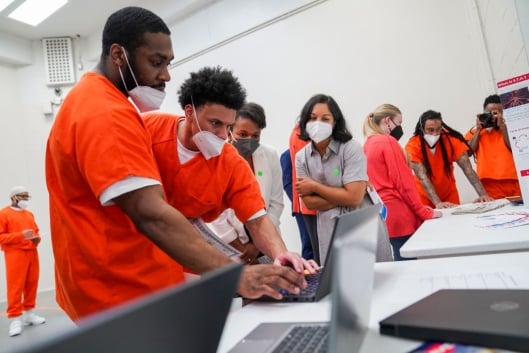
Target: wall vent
58,61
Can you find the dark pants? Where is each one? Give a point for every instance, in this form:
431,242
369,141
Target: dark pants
306,244
396,244
311,224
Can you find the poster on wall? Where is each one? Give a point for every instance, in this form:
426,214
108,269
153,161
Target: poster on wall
514,95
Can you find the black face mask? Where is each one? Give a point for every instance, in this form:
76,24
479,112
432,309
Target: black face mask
246,147
397,132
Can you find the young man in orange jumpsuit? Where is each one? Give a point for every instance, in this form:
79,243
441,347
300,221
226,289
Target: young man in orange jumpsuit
202,182
490,143
19,237
433,149
114,236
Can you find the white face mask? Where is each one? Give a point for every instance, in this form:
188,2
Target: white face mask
318,130
431,139
209,144
144,97
22,204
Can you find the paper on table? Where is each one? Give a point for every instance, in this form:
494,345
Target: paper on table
480,207
474,280
213,239
503,220
423,284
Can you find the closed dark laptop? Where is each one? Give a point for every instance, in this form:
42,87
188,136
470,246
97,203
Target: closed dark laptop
188,318
483,317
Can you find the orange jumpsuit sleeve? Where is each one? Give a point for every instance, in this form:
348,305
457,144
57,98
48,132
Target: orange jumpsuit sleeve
12,223
295,145
493,159
244,194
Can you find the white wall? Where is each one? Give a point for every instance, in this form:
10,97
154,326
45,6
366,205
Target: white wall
417,54
522,7
14,51
502,31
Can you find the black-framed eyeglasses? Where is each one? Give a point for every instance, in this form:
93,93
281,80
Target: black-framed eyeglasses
24,197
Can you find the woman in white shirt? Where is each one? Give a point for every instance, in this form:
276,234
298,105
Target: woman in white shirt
245,135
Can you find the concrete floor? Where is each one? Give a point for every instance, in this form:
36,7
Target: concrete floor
56,323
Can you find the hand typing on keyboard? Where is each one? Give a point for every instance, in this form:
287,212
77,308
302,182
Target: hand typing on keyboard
259,280
294,260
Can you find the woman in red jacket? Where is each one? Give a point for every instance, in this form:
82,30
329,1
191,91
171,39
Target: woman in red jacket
390,175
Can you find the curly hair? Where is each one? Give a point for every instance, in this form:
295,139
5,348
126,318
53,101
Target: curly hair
339,131
212,85
447,131
128,26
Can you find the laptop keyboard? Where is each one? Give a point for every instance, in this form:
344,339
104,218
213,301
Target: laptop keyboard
312,285
305,339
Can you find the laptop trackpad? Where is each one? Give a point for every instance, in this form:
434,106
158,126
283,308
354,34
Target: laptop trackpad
253,345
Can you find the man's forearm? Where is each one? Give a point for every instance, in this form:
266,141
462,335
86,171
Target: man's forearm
170,230
471,175
420,173
265,236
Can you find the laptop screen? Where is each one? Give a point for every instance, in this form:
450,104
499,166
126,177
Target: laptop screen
187,318
353,279
352,284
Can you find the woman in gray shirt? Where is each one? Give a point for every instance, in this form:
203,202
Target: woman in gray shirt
331,170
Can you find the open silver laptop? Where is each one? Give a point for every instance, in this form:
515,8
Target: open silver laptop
352,285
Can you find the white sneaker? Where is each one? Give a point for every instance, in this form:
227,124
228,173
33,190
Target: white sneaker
30,318
15,327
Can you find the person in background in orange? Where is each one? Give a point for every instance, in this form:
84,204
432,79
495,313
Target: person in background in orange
307,220
19,238
286,172
433,149
489,140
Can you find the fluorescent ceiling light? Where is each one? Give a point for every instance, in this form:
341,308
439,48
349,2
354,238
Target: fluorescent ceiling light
34,12
5,3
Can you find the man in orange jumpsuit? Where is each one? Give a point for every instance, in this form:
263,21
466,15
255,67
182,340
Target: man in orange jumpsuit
489,140
202,182
114,236
19,237
433,149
